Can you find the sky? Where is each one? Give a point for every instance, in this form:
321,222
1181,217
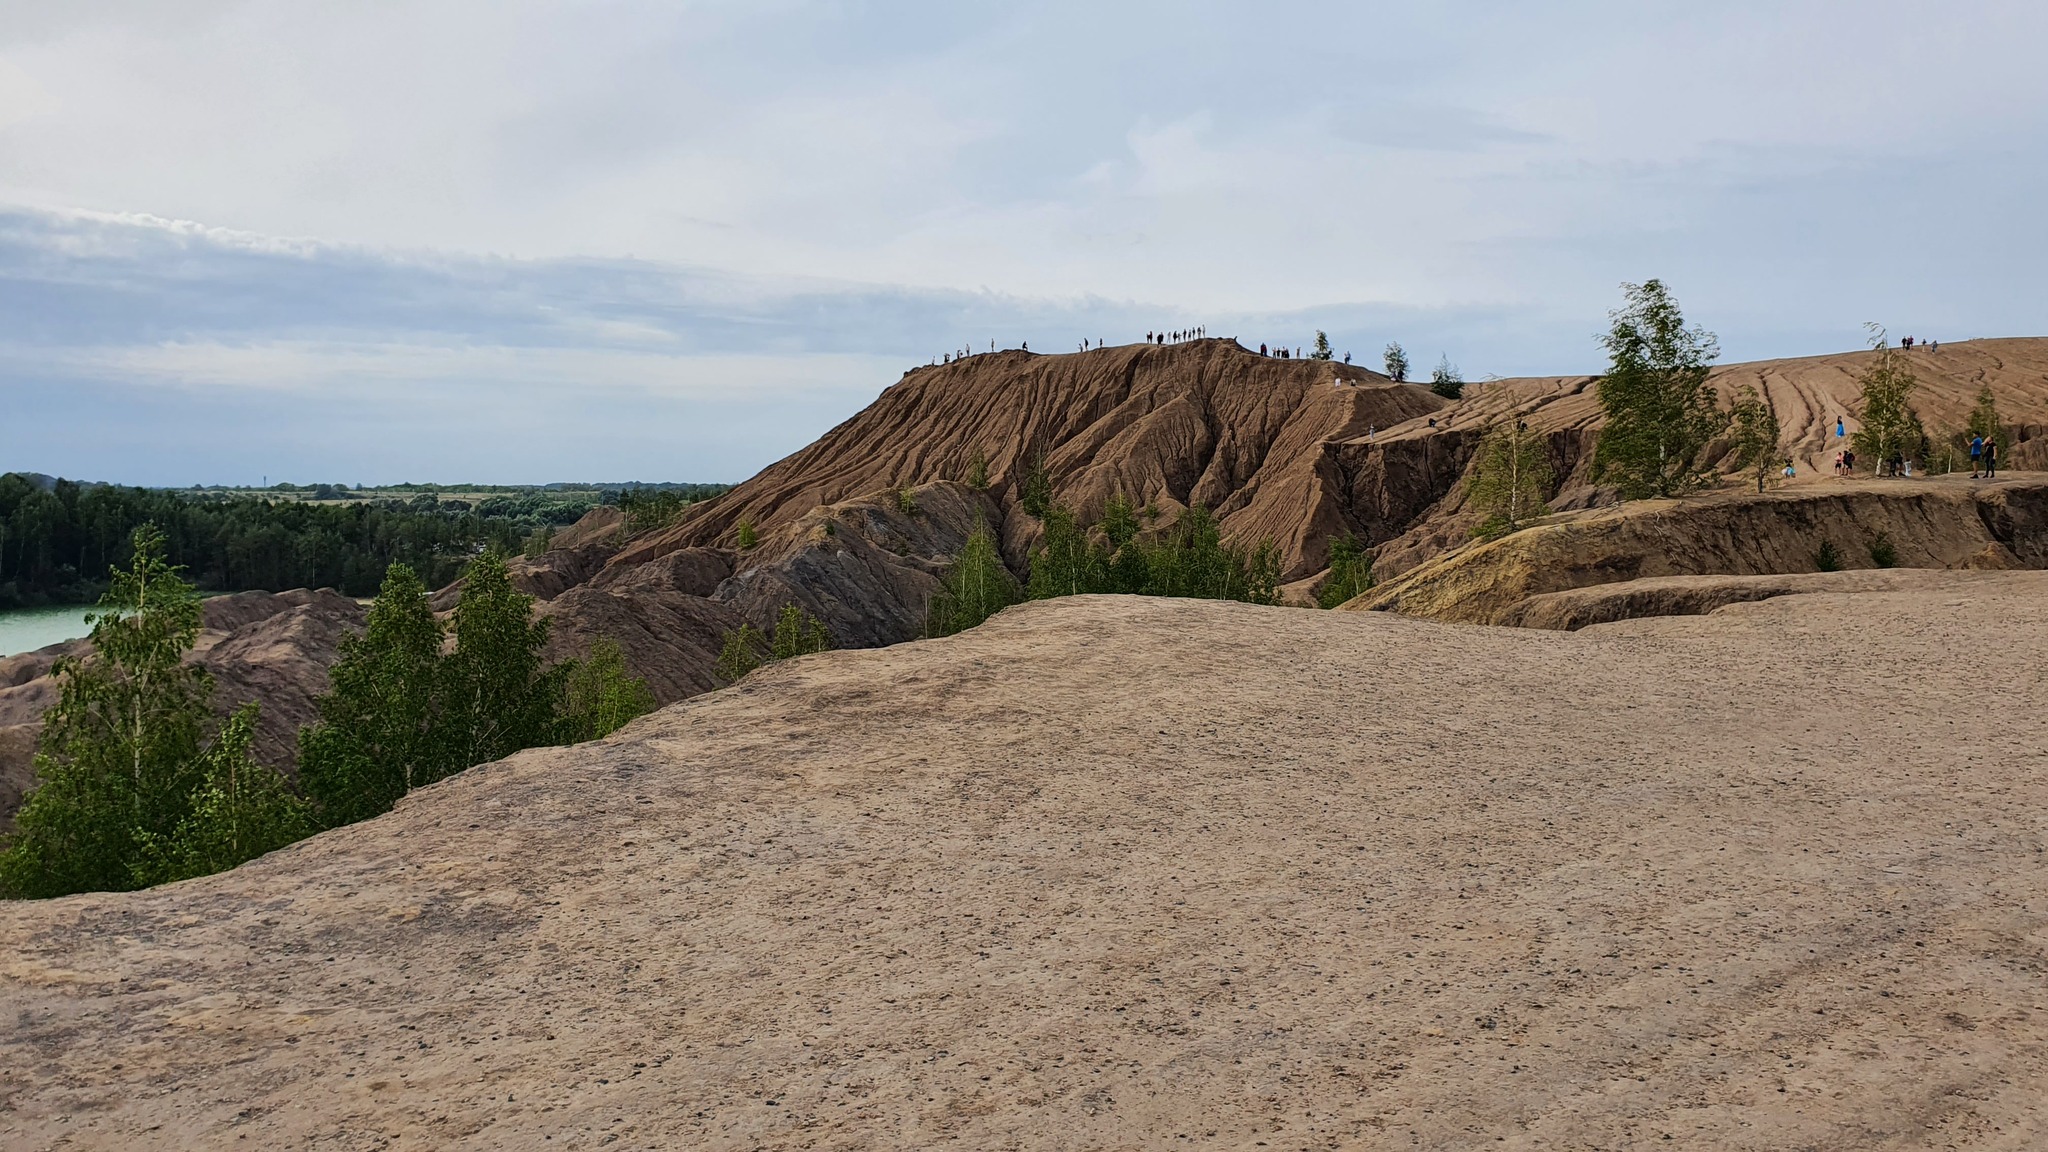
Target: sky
366,241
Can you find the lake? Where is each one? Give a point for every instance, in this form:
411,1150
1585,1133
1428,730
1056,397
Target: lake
27,629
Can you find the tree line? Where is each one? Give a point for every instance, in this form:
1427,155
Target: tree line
137,785
60,542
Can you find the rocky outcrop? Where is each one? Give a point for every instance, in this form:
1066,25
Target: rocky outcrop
1699,595
1936,523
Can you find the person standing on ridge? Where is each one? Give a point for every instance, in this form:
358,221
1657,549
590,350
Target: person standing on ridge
1991,457
1262,349
1976,455
1839,432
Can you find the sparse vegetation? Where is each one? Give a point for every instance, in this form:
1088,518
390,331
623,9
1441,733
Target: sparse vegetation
1187,558
1350,572
1827,559
1034,492
1660,413
798,633
1882,552
601,696
977,472
745,650
976,587
1445,380
1511,479
1322,350
906,500
744,535
1754,446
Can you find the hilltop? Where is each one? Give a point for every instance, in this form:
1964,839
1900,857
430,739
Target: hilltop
1134,873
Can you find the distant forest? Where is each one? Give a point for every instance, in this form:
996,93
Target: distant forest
58,538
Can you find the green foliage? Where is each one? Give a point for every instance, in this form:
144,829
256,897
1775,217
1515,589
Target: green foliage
1396,361
1754,436
745,536
977,472
1889,424
1445,380
1511,478
743,652
1883,552
1034,492
1660,413
1067,563
400,715
498,694
647,508
119,757
378,736
1827,559
239,811
1350,572
600,696
906,501
976,587
1322,351
1119,521
798,633
538,543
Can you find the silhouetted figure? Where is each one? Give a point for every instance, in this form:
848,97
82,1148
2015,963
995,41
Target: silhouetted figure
1347,357
1262,349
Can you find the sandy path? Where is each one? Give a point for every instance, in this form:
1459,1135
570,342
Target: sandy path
1113,873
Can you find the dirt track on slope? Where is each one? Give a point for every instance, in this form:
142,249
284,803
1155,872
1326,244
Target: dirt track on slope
1115,873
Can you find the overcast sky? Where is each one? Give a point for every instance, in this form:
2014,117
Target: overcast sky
607,239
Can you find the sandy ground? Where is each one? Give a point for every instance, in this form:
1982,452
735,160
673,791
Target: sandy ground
1113,873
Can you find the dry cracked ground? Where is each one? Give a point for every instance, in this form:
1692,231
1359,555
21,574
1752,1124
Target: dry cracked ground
1116,873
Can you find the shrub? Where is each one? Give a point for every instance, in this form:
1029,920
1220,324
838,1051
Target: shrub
600,696
977,473
798,633
1882,552
1034,492
1350,571
745,536
742,653
1827,559
976,587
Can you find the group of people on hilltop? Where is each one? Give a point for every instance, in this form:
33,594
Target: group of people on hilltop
1930,345
1177,335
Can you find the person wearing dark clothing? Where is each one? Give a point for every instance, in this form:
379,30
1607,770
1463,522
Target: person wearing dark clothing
1262,349
1991,457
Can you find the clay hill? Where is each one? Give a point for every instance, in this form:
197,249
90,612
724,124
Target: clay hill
1128,873
858,527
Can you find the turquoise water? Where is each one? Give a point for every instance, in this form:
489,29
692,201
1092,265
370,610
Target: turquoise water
27,629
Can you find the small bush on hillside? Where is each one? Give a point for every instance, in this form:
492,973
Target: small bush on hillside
743,652
1035,491
906,501
1827,559
745,536
1882,552
976,587
798,633
1350,572
600,696
1396,362
977,473
537,544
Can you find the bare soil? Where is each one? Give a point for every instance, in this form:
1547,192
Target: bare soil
1117,873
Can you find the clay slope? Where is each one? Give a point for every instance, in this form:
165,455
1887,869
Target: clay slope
1941,522
1141,873
1201,422
271,648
